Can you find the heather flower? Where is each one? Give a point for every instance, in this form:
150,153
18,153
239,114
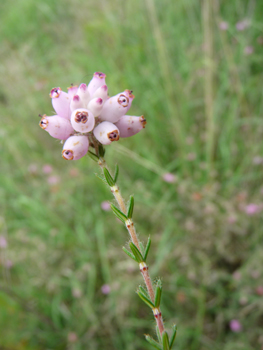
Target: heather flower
223,25
72,337
242,25
86,117
105,289
3,242
105,206
252,209
169,177
248,50
47,169
235,326
53,180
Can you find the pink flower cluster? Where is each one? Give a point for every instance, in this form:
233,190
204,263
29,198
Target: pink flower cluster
86,114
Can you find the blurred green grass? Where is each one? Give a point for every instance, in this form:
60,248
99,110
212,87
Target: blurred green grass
200,89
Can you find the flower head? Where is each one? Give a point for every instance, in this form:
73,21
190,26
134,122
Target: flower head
235,326
87,117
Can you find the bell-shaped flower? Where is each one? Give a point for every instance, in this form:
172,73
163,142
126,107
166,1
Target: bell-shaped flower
117,106
97,81
130,125
58,127
72,90
60,102
95,106
106,133
82,120
84,94
88,109
75,103
101,92
75,147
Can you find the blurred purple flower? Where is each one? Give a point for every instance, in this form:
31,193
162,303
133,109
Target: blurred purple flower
105,289
242,25
53,180
169,177
258,160
47,169
259,290
72,337
235,326
248,50
3,242
223,25
252,209
105,206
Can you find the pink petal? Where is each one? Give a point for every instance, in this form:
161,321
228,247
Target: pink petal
95,106
75,147
72,90
97,81
84,94
130,125
76,103
58,127
101,92
106,133
60,102
82,120
117,106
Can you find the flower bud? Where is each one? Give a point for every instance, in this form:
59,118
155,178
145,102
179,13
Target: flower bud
58,127
117,106
97,81
75,147
82,120
101,92
95,106
60,102
106,132
130,125
84,94
72,90
76,103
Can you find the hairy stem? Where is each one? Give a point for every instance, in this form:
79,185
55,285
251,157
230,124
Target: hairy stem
134,238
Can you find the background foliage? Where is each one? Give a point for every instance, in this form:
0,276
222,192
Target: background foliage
196,70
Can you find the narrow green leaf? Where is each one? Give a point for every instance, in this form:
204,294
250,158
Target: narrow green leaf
153,342
158,294
143,291
129,253
119,214
116,173
141,247
93,156
145,299
165,341
147,248
158,334
108,177
101,151
136,252
101,178
173,336
130,207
